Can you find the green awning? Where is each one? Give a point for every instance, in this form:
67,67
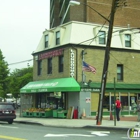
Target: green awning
53,85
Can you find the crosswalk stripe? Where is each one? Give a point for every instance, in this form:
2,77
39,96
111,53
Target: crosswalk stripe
100,133
67,135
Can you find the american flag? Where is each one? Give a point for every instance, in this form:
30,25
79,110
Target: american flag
88,68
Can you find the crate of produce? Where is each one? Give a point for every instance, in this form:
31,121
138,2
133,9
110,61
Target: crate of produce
49,113
30,114
55,113
24,114
62,114
46,114
43,114
37,114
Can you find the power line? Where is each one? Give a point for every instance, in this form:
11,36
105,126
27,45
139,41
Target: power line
20,62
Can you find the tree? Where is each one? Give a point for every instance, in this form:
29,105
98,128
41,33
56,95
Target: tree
19,78
4,71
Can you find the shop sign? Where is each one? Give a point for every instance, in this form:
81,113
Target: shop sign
43,84
72,63
50,54
91,90
42,90
33,90
38,90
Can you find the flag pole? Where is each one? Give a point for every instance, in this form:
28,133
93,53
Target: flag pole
83,78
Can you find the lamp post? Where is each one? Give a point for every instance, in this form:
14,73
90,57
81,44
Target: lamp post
106,57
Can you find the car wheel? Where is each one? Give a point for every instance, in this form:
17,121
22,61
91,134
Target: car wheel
10,121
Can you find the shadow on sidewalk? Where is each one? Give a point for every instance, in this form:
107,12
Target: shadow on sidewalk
122,118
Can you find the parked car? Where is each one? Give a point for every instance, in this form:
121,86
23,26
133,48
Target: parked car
7,112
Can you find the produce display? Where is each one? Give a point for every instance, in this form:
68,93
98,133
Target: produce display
37,109
37,112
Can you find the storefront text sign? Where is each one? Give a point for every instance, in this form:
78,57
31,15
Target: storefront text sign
72,63
50,54
90,90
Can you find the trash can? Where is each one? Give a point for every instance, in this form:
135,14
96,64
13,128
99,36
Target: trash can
75,114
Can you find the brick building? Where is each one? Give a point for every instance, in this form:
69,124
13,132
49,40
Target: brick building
126,13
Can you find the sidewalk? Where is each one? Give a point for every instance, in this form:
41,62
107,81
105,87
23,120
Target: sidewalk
125,122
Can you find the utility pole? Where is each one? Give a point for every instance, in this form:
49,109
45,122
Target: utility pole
106,62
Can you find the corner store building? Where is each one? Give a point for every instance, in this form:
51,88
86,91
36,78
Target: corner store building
59,55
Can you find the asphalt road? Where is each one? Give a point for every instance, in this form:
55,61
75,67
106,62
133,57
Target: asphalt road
18,131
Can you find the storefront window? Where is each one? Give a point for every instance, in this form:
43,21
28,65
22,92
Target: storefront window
49,66
50,100
39,68
61,63
124,101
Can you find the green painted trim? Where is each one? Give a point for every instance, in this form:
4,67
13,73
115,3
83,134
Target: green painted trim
120,87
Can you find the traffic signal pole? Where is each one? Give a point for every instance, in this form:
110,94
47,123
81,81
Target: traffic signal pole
106,62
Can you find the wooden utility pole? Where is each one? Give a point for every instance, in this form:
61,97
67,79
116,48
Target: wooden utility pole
106,62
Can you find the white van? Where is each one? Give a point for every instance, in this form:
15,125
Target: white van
10,98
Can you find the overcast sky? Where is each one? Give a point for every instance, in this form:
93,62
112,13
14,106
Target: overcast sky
22,23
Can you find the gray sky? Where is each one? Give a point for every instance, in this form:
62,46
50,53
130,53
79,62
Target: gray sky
22,23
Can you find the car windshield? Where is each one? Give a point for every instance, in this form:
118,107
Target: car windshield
7,107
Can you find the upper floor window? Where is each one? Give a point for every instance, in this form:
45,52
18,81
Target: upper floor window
127,40
46,41
39,68
61,63
49,65
119,72
102,37
57,37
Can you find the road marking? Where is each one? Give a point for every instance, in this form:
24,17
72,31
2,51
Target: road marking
10,138
93,134
100,133
67,135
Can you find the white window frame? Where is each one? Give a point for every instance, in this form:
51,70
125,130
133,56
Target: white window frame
127,39
46,41
57,42
102,37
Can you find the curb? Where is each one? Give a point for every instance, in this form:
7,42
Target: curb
84,127
108,128
26,122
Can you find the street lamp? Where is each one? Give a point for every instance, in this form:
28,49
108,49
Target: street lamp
106,57
71,3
